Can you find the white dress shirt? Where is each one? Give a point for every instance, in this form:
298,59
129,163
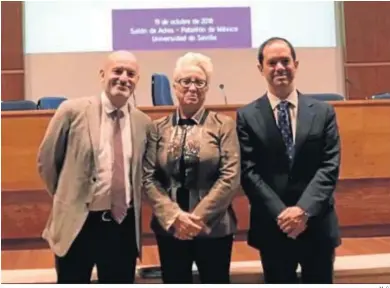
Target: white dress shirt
293,108
101,199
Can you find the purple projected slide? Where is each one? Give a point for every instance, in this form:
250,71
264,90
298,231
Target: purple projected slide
189,28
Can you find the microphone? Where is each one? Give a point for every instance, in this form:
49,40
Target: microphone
221,87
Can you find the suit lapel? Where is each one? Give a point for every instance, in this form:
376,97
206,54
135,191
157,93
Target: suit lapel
94,113
136,142
305,119
267,128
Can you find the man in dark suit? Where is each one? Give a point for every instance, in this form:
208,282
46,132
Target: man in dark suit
290,149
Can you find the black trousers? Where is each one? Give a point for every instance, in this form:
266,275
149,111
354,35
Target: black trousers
104,243
280,262
211,255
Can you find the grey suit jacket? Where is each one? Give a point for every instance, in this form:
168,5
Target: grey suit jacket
66,163
214,181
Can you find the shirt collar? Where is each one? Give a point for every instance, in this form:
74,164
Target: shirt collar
292,99
109,108
197,117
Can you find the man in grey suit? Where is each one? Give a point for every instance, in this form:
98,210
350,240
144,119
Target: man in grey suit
91,162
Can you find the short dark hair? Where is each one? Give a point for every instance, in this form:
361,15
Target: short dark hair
260,55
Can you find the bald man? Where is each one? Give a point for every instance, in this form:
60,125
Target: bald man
90,160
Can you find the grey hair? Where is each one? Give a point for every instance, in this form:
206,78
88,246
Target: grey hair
193,59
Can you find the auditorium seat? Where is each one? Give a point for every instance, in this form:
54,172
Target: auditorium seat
161,90
327,96
381,96
50,102
18,105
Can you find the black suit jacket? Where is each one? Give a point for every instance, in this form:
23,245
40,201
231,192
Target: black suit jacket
271,184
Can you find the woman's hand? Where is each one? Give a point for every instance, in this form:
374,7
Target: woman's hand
187,226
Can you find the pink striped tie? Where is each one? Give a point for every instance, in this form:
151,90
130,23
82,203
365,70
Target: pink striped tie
118,188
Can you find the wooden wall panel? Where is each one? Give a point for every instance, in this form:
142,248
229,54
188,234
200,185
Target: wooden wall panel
12,85
362,206
12,54
358,204
363,125
365,81
362,196
19,151
24,213
11,35
367,42
367,30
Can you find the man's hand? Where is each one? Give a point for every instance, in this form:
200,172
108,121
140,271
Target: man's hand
298,230
292,221
187,226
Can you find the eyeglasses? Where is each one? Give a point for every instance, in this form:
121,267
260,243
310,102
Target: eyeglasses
186,83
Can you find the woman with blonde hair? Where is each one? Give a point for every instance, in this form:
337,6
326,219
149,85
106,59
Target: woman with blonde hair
191,175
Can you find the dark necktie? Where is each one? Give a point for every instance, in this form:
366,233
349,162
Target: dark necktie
183,197
284,122
118,187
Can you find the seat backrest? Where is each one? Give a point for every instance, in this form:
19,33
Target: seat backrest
327,96
161,90
385,95
18,105
50,102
